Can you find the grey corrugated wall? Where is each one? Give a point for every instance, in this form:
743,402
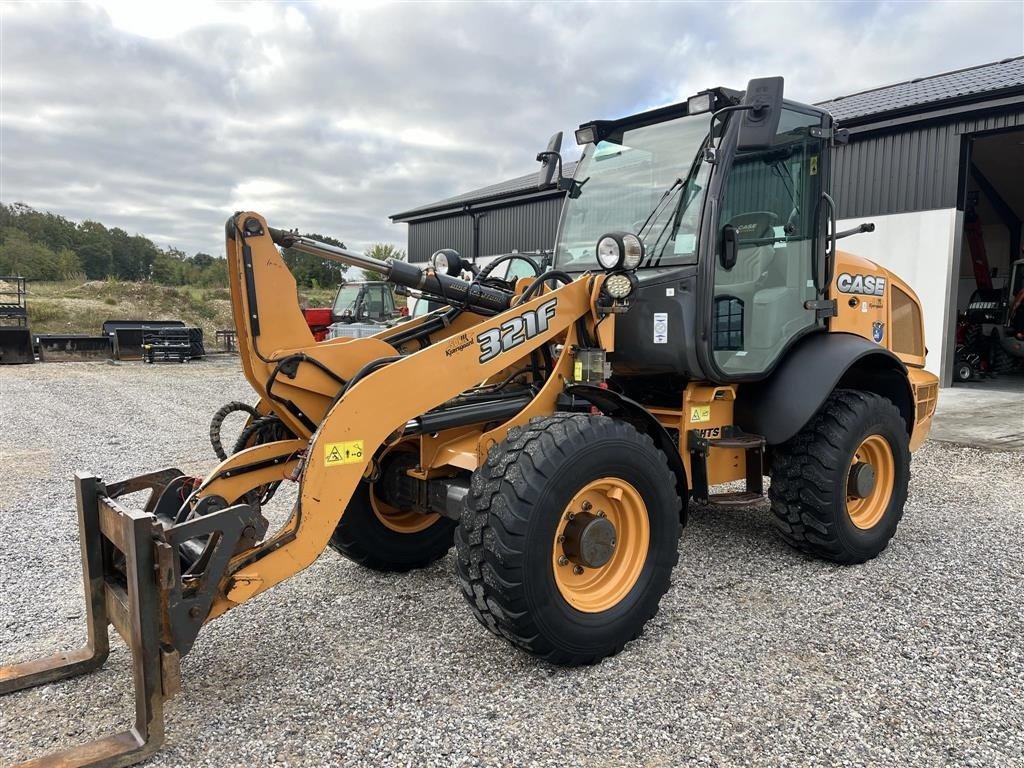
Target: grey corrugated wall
914,169
526,226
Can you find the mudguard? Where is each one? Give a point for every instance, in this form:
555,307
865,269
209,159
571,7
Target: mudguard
621,407
779,406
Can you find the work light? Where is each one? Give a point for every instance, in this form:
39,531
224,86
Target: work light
699,103
447,261
619,250
609,251
586,135
619,285
633,251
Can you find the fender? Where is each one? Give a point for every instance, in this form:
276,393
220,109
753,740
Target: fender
778,407
621,407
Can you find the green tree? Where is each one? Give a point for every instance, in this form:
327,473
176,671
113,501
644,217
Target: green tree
94,247
382,252
19,255
309,270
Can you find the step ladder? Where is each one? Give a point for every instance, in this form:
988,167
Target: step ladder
731,438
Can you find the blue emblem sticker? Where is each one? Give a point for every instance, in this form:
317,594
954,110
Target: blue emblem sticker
877,331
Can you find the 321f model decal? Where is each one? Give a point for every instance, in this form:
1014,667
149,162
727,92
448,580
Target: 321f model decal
515,331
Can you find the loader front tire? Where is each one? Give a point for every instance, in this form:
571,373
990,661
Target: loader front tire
839,486
569,537
383,539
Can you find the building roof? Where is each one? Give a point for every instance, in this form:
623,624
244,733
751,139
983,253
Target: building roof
923,94
920,94
516,187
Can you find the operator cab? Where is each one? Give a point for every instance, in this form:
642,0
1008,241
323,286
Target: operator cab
728,195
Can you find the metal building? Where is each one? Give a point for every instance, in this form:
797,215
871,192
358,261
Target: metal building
922,156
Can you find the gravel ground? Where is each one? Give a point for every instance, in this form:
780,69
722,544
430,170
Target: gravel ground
759,656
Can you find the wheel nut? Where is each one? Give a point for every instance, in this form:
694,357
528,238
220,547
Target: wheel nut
561,538
600,513
572,516
586,506
563,560
577,570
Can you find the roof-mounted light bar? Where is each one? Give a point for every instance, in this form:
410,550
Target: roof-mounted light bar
705,101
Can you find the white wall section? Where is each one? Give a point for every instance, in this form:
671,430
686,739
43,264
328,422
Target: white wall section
919,247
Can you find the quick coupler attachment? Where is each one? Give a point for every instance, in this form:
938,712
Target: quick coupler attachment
132,567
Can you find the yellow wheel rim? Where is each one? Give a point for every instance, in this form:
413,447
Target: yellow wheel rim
397,520
591,588
866,510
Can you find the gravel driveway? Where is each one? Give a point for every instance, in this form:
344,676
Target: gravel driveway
759,656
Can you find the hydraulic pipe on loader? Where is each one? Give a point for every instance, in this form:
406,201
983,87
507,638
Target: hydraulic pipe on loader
449,289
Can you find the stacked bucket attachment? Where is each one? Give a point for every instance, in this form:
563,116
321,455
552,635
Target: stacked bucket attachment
153,577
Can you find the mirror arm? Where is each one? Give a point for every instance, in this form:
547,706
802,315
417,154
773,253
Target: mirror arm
542,156
865,227
710,156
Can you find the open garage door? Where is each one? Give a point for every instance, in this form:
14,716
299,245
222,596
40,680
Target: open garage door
990,291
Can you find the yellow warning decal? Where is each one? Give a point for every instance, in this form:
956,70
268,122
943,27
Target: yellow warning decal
577,370
343,453
700,413
814,165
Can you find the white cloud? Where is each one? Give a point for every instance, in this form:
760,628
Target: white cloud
163,118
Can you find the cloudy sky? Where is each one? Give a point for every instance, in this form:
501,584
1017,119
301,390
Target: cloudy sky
164,117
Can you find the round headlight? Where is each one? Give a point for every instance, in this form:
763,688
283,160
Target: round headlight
618,286
633,251
447,261
609,251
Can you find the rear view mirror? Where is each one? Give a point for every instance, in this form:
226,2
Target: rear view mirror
759,123
549,161
727,252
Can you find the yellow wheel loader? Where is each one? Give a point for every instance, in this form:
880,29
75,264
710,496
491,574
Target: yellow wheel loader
698,327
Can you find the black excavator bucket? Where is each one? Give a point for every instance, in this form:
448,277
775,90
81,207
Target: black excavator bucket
132,564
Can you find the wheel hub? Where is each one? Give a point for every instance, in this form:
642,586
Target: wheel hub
589,540
601,542
870,482
861,481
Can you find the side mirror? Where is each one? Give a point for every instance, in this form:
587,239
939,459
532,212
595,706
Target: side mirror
760,122
727,253
550,160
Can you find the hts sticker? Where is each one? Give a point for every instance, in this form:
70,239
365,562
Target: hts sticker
699,413
350,452
514,331
865,285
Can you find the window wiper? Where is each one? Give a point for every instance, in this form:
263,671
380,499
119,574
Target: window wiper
651,216
684,201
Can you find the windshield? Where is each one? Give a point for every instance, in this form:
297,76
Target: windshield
644,180
346,299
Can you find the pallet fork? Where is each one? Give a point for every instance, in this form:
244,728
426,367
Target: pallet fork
133,581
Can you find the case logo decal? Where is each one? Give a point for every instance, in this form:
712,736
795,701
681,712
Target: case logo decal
866,285
514,331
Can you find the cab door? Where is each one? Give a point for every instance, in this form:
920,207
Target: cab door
770,242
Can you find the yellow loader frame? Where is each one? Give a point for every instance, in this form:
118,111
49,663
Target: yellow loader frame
331,400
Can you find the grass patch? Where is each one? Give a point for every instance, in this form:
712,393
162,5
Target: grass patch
81,306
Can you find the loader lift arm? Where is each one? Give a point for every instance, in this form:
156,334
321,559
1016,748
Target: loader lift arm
196,549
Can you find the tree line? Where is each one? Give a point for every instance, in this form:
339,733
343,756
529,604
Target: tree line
46,246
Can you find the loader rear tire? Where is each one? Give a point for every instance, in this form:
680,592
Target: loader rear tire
556,482
390,543
817,505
